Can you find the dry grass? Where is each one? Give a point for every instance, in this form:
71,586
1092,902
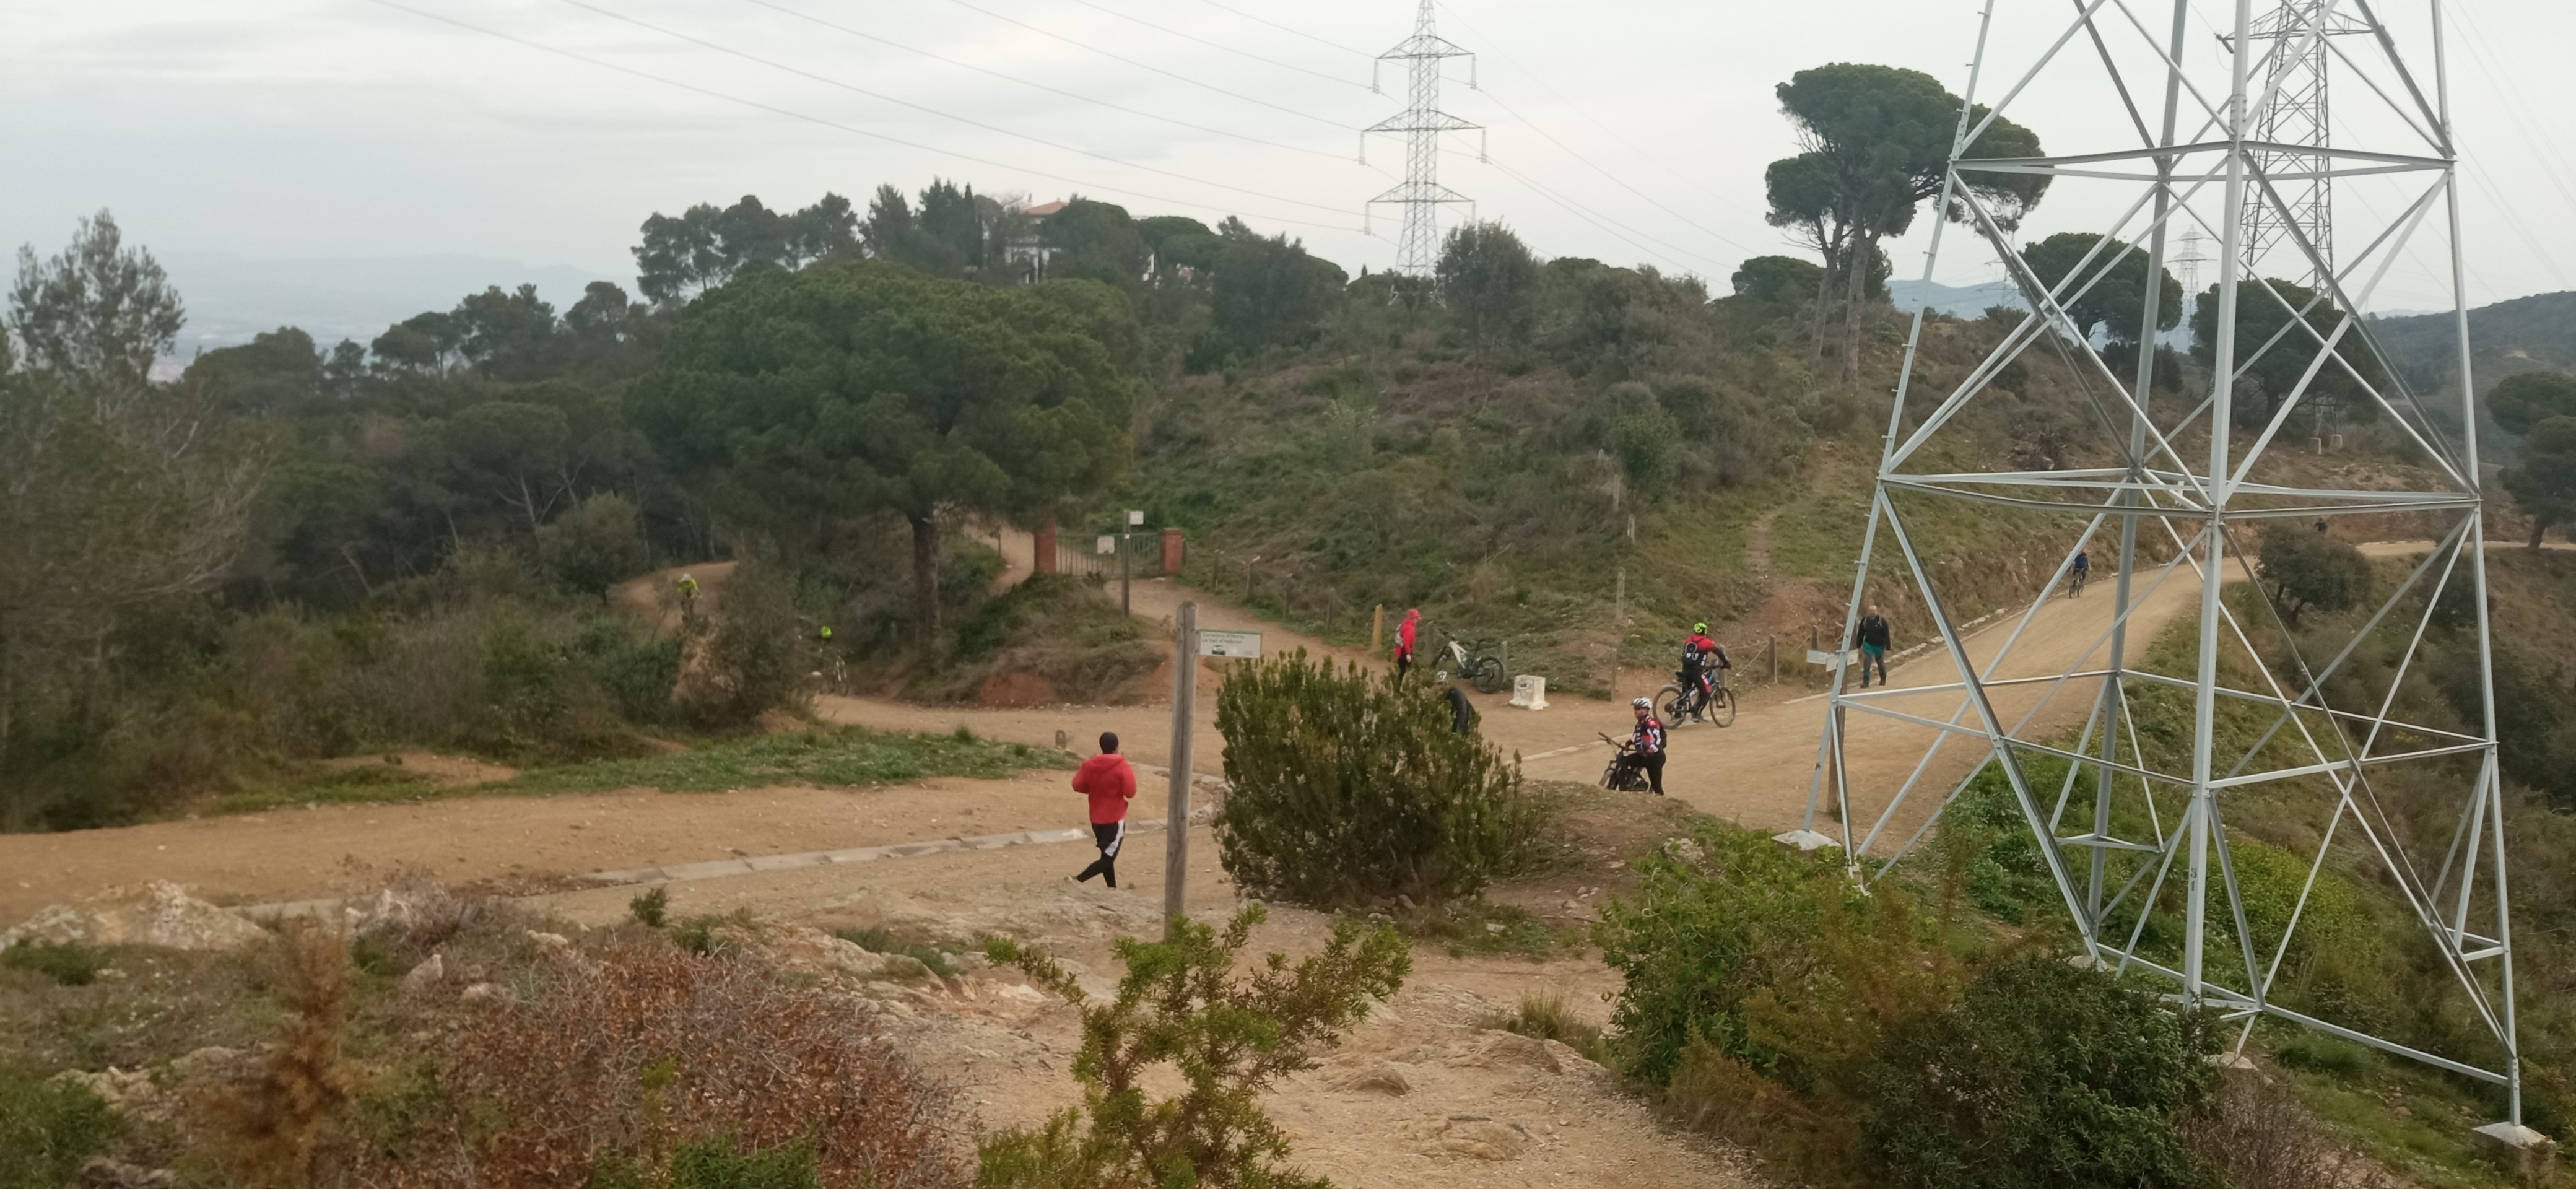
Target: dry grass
2259,1137
635,1049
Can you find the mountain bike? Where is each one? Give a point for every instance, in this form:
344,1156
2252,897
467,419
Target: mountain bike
2075,582
1682,699
1624,774
1486,671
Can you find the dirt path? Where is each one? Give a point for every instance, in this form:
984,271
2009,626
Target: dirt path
1755,772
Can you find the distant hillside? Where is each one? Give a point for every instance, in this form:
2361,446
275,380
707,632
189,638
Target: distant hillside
1958,301
2521,335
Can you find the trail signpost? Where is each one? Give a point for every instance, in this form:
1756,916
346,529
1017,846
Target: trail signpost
1176,822
1126,549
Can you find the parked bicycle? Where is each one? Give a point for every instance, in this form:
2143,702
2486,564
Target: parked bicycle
1681,699
1485,670
1624,774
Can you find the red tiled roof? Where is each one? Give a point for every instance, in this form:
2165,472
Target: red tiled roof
1043,210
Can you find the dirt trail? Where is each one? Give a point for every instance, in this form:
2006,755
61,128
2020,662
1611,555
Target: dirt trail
1755,772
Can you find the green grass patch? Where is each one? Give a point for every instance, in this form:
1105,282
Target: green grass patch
48,1129
1550,1017
1472,927
70,964
364,784
842,756
901,952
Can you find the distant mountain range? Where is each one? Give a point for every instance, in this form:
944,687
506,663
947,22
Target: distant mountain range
230,297
1958,301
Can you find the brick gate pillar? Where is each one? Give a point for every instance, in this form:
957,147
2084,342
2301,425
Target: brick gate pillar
1172,551
1044,561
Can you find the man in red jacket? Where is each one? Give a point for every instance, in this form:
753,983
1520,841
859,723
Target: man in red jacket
1110,784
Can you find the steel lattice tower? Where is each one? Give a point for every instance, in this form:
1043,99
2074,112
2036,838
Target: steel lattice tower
2299,121
2360,776
1420,193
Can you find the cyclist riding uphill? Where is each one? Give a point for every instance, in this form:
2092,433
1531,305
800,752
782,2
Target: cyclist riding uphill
1701,659
1646,744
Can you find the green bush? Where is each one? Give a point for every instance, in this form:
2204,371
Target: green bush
1182,1009
652,909
599,543
1350,789
1702,934
71,964
877,940
48,1129
636,670
753,659
2043,1076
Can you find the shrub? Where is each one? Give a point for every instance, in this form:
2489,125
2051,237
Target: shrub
1182,1006
272,1122
2305,568
599,1065
1709,926
48,1129
753,658
2044,1075
876,940
596,544
1548,1017
1350,789
651,909
70,964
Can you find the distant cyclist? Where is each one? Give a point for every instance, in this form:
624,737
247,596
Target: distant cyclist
2082,570
688,587
1701,659
1646,744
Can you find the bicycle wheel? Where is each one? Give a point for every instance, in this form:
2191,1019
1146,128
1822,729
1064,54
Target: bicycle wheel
1722,710
1671,704
1489,675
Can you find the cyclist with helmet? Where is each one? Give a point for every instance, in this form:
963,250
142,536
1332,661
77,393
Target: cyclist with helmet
1646,744
1701,659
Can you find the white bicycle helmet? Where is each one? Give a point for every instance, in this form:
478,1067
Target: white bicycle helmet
1642,703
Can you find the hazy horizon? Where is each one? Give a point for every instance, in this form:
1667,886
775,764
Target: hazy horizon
301,130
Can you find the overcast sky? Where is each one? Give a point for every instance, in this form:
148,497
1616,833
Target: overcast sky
1635,131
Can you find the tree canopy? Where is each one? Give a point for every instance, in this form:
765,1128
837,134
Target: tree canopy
1875,143
2116,302
1490,282
704,245
2276,366
850,389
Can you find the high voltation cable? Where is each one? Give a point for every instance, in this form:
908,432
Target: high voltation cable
836,125
880,96
1285,29
1218,45
1117,57
1073,95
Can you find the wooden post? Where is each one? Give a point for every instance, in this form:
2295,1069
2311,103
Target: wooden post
1176,828
1377,631
1618,629
1126,550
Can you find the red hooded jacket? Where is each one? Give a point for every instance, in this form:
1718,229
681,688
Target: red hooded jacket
1110,784
1404,633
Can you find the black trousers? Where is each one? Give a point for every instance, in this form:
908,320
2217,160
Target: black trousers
1108,836
1403,662
1653,763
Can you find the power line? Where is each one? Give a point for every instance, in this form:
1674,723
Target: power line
1214,45
1580,212
827,80
1597,122
836,125
1074,95
1285,29
1622,182
1116,57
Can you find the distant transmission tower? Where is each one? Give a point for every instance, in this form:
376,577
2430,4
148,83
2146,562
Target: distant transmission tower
2187,263
2297,213
1417,249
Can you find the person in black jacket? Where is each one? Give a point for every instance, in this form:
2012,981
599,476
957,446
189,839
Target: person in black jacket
1462,713
1871,636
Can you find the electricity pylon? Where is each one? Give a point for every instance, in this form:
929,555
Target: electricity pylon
2241,705
1417,247
2298,125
